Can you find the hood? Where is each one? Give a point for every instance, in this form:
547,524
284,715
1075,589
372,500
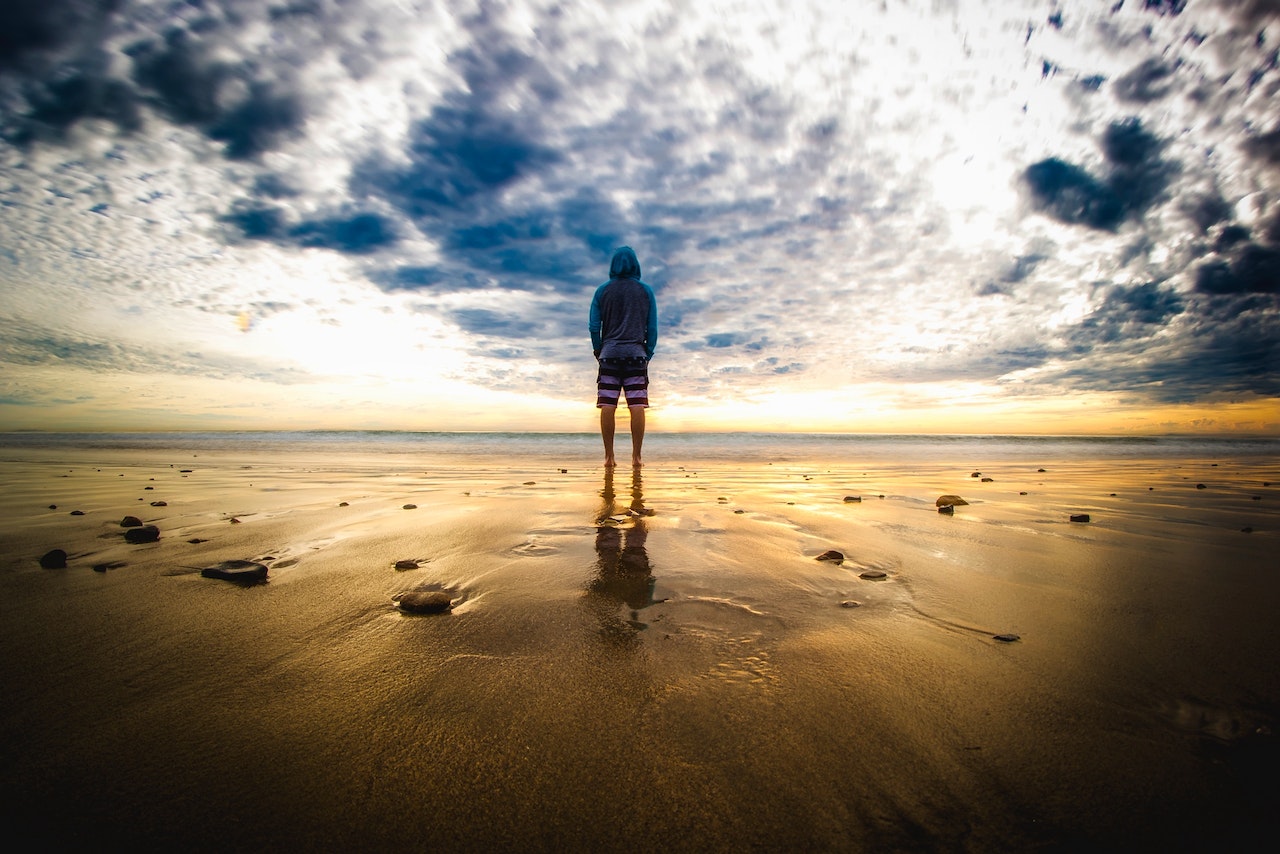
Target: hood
625,264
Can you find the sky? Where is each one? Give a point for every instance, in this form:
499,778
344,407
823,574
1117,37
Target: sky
948,216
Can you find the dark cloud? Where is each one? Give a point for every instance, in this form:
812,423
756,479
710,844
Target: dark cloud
1254,269
72,94
1149,81
357,233
1264,146
1128,314
184,81
33,31
1071,195
1205,209
1137,177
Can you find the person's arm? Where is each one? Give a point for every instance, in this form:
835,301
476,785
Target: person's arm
651,332
594,324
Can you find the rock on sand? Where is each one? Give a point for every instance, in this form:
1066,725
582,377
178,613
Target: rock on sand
832,555
425,602
54,559
145,534
953,500
239,571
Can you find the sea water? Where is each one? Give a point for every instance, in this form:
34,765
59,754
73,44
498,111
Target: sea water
750,447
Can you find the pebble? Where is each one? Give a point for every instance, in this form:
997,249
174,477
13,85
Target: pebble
853,499
406,564
1201,486
130,522
159,503
976,474
411,507
1007,638
1079,517
872,573
53,506
850,603
950,499
988,480
832,555
947,509
145,534
343,504
77,512
54,559
425,602
240,571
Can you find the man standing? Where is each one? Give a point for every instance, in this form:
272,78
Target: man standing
624,332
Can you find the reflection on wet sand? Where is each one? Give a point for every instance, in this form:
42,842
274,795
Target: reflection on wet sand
624,576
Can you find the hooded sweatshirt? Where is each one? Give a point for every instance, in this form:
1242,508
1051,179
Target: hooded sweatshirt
624,314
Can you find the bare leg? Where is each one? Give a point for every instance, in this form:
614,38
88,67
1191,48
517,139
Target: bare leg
607,415
637,434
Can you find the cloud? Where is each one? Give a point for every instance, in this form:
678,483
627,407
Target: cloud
1137,175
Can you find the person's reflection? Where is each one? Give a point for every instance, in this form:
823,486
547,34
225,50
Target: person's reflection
623,574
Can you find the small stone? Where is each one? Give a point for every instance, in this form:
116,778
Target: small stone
234,520
1022,493
239,571
159,504
564,471
77,512
145,534
196,541
872,573
130,522
976,474
853,499
53,506
1201,486
739,511
1040,470
850,603
988,480
1246,530
1079,517
411,507
1007,638
950,499
343,504
832,555
530,483
425,602
406,564
947,510
54,559
184,471
145,488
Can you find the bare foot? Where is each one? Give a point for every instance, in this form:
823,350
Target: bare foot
610,462
635,463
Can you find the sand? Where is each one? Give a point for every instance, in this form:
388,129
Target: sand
653,661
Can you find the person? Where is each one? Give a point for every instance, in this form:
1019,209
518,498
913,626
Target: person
623,322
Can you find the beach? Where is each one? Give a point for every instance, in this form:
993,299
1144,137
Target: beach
651,659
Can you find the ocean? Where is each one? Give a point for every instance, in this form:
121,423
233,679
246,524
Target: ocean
747,447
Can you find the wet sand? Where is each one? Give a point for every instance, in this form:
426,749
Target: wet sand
640,662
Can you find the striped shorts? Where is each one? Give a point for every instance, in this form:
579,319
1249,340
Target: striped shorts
628,377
